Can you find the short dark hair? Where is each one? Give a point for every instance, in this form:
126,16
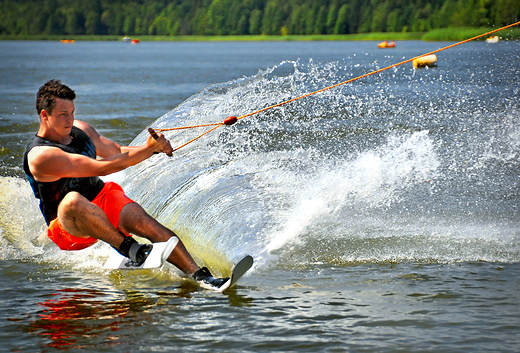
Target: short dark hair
47,94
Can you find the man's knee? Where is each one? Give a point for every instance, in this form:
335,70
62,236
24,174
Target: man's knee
74,202
71,207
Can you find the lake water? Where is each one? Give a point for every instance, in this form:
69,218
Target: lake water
383,215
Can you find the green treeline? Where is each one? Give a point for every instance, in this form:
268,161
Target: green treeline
248,17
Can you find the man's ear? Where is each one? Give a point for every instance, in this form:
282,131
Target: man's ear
44,115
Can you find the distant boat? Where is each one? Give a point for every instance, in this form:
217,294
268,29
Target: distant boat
492,39
126,39
135,41
386,44
67,41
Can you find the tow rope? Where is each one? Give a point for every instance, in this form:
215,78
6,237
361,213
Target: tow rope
233,119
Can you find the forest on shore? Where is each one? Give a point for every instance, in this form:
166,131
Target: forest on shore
248,17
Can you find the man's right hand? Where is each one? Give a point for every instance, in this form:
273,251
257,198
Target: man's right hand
160,144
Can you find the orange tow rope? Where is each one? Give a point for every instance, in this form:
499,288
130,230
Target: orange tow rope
232,119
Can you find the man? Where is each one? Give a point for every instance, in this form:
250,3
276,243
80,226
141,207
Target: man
63,163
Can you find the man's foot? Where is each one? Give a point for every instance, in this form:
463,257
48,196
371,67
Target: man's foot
206,279
138,253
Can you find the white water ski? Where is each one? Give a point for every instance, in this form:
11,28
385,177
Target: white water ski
157,257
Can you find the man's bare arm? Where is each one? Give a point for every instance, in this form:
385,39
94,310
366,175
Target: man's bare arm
106,148
51,163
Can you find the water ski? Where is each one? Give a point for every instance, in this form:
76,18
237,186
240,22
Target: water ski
237,271
158,255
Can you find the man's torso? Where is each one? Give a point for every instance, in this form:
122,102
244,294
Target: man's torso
51,193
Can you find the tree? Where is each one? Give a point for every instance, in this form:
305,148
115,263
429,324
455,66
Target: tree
54,24
393,21
129,25
308,20
379,15
93,23
342,25
225,17
270,22
442,18
365,22
464,16
506,12
320,26
161,25
255,22
331,18
243,25
296,20
75,23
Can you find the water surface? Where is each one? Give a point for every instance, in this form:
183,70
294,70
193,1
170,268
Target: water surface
382,215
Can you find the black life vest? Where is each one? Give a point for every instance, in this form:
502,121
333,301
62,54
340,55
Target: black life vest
51,193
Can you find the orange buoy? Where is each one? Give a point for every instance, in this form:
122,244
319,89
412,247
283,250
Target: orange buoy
135,41
386,44
425,61
230,120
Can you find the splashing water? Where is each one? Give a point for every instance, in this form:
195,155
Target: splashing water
338,177
364,172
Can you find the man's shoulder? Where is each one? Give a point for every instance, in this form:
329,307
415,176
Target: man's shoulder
86,128
38,151
83,126
80,124
41,157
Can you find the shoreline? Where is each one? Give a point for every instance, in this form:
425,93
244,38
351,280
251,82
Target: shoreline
229,38
442,34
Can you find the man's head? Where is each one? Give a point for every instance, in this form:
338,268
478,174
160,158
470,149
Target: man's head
49,92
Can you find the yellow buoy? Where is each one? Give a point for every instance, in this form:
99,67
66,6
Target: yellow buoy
425,61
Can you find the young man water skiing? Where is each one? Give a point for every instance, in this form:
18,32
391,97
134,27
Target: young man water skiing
63,163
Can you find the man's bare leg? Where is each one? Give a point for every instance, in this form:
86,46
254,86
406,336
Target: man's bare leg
81,218
133,219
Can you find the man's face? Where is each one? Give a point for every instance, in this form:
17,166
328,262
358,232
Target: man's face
62,116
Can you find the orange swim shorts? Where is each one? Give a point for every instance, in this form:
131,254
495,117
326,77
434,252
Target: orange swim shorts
111,200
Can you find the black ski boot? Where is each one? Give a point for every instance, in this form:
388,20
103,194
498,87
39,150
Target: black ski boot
135,251
138,253
206,279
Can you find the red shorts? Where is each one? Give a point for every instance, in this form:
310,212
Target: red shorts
111,200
